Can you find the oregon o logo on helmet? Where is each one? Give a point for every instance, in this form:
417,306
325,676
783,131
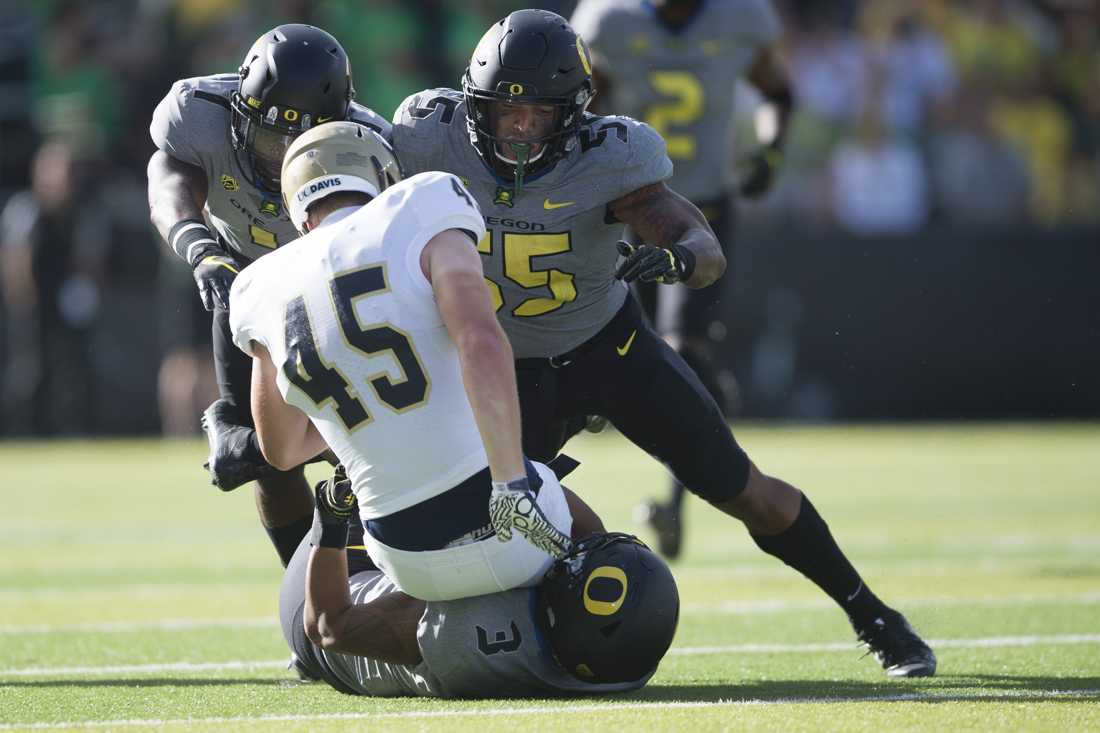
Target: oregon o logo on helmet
290,115
605,608
515,89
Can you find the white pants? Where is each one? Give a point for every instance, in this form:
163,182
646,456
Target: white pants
477,568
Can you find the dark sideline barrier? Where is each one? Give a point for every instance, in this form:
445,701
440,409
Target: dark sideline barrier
948,324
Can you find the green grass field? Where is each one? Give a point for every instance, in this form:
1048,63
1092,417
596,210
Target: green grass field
134,596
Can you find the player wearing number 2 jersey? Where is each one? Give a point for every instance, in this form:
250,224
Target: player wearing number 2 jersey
373,335
214,196
674,64
556,186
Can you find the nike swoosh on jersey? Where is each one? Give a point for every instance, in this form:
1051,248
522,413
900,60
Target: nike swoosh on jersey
549,205
621,350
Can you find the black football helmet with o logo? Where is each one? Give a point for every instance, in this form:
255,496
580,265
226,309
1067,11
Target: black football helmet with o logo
294,77
609,609
529,57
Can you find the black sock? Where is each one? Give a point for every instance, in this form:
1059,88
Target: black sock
809,547
287,537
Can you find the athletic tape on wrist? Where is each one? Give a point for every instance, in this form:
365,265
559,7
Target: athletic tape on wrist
191,239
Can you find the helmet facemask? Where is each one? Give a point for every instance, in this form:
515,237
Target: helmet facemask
550,138
264,143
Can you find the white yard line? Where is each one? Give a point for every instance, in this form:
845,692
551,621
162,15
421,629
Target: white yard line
843,646
725,607
558,709
839,646
260,622
750,607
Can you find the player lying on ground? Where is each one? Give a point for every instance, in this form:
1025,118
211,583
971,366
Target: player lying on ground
599,622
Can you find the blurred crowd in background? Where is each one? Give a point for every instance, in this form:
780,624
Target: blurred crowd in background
909,114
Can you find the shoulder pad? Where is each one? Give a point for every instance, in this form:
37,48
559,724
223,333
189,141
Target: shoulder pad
193,119
430,108
631,149
370,119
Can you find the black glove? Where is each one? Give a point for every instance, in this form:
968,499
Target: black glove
235,456
763,165
213,268
654,264
214,273
335,505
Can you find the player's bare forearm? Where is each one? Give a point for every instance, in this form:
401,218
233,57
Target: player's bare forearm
177,191
488,373
287,436
663,218
384,629
453,266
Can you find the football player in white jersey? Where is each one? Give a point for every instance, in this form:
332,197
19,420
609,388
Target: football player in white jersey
374,335
214,196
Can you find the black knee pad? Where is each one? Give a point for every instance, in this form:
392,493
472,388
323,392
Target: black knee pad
721,470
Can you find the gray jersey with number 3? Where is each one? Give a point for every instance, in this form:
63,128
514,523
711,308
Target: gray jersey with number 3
192,124
681,82
487,646
549,252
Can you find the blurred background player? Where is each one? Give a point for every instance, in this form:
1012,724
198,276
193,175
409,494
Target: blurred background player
221,141
373,335
55,242
556,186
673,64
599,621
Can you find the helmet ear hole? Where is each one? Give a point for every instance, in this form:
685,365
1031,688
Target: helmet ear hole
610,629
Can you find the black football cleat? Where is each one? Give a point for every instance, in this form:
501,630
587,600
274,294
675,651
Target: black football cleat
665,521
234,459
897,646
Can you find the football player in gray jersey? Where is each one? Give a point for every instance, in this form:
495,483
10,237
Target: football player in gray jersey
599,622
673,64
556,187
214,196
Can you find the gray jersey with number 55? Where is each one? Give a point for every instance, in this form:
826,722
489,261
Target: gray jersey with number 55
549,253
192,124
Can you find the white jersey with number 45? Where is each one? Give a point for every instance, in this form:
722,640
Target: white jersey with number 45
351,324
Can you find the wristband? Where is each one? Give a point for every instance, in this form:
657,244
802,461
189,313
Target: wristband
686,259
516,484
192,240
332,535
